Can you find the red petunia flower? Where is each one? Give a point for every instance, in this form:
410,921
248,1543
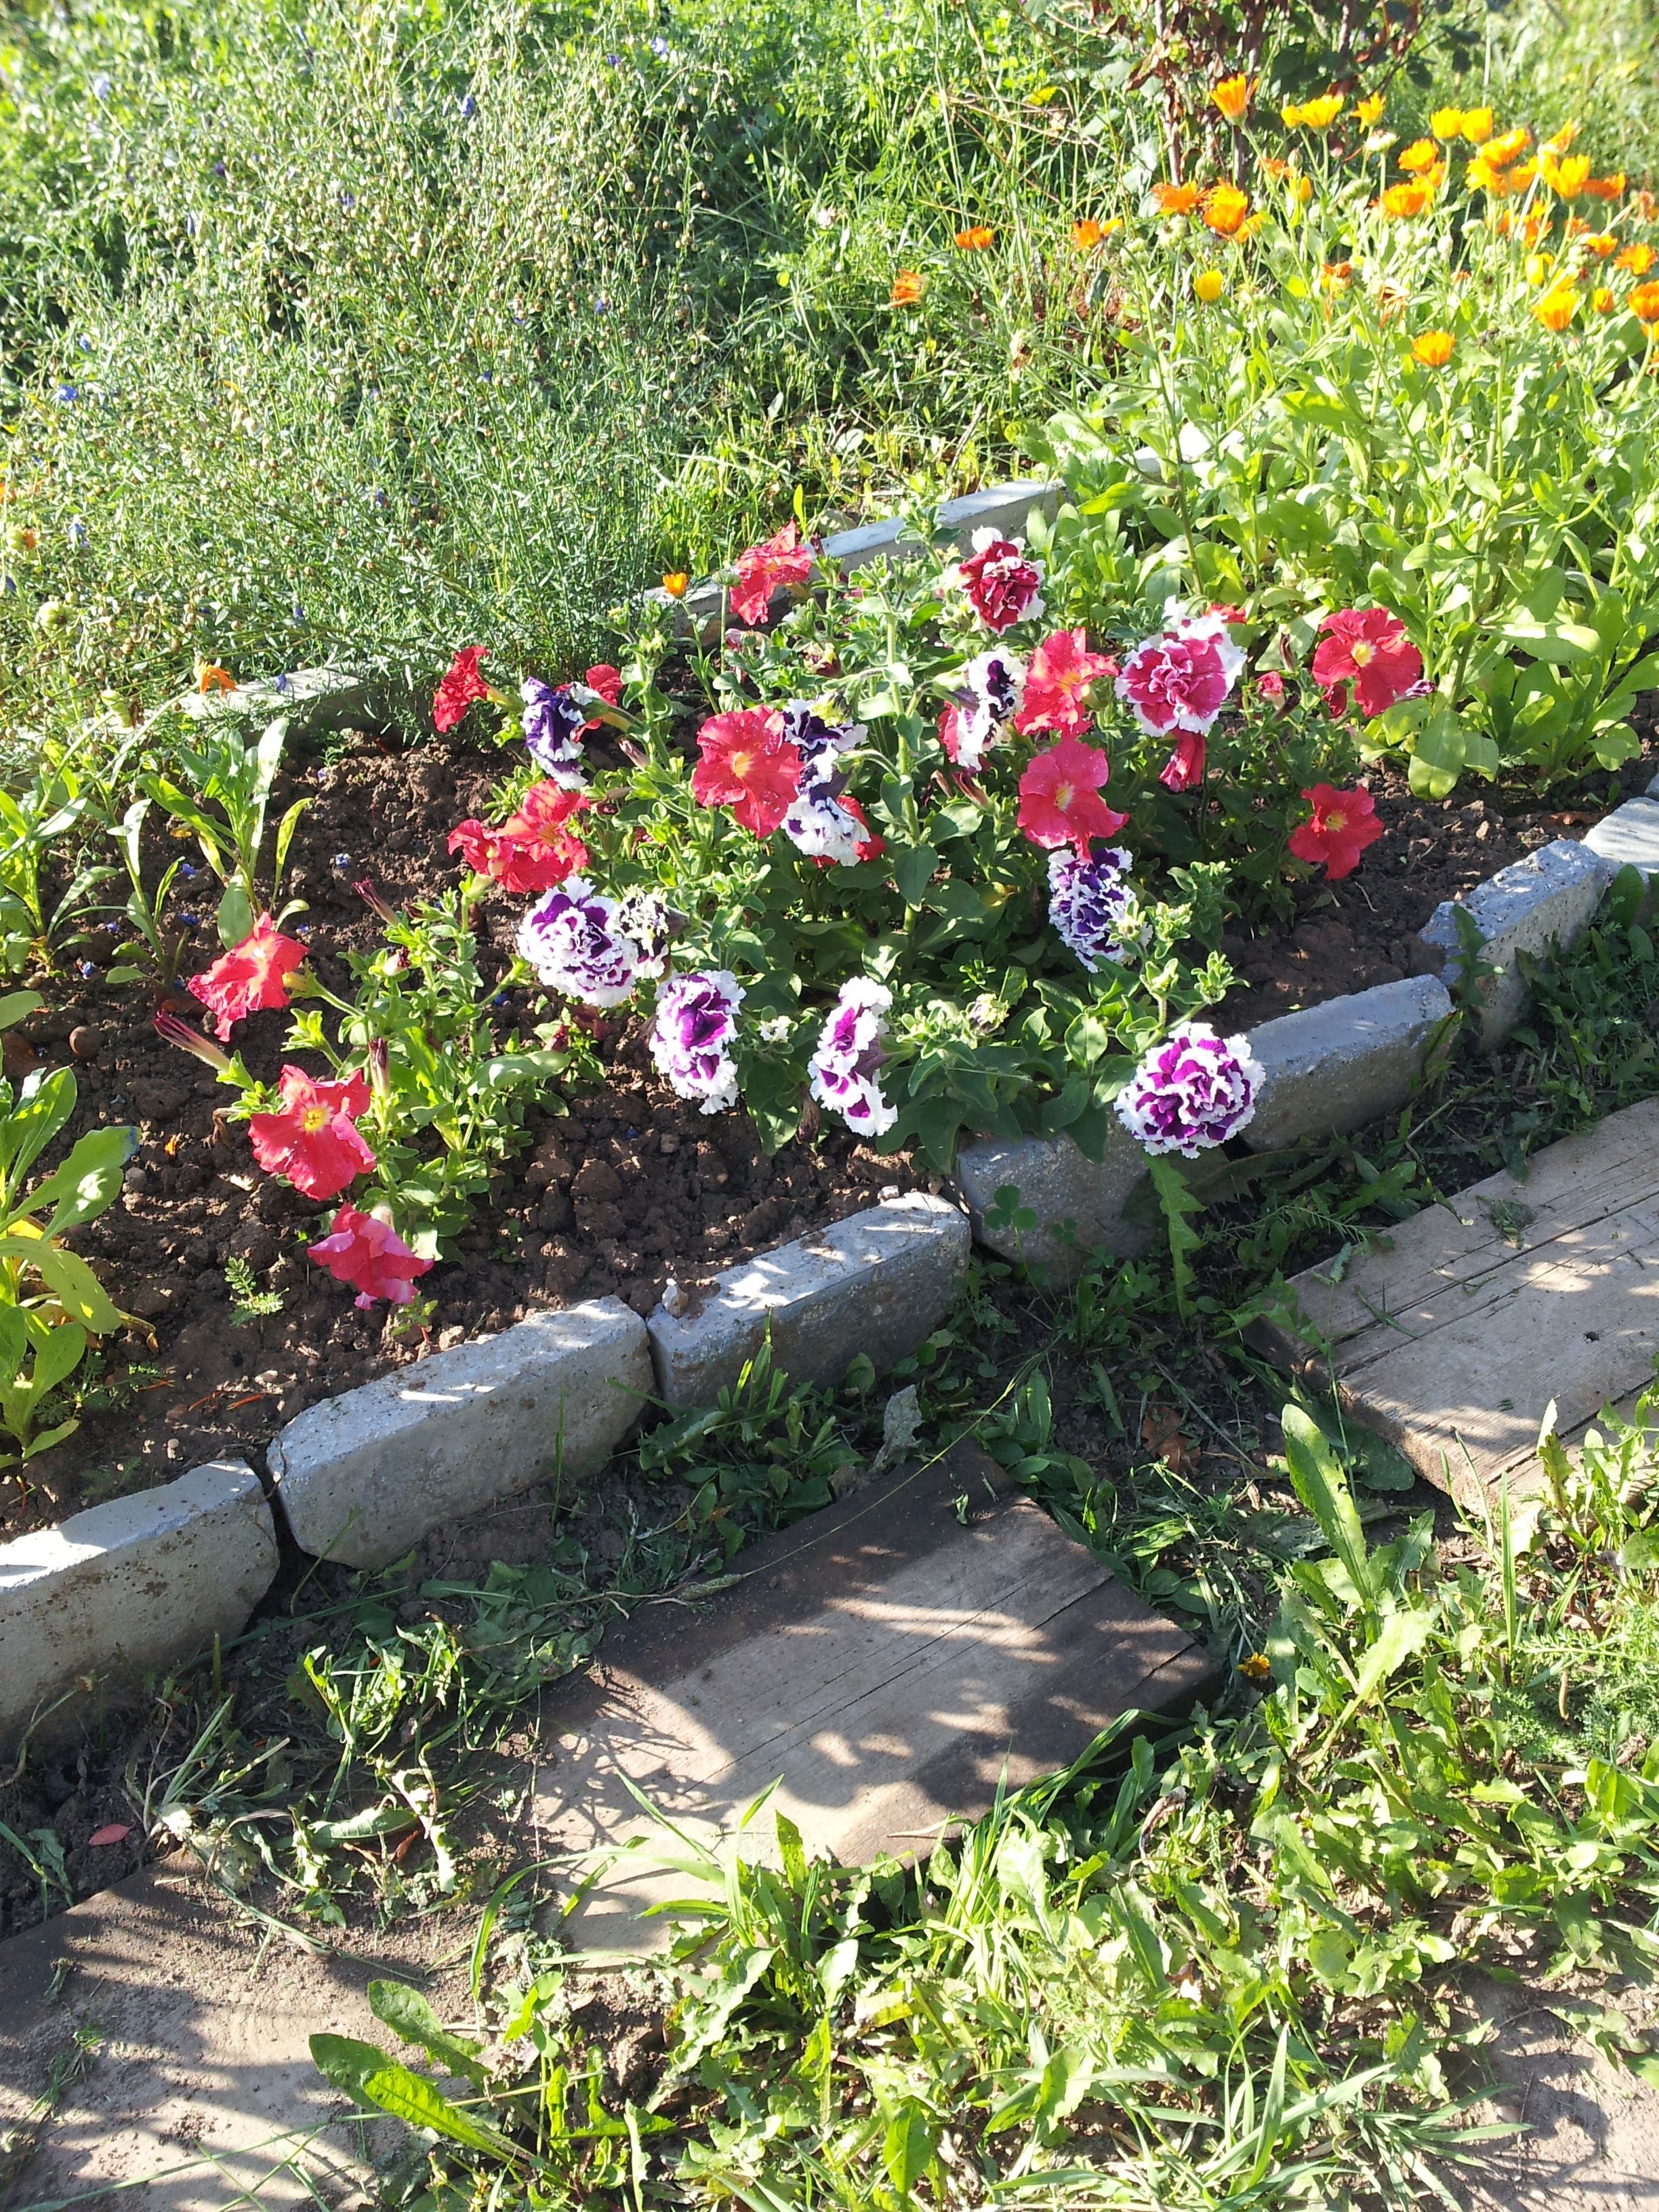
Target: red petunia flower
1057,677
460,687
250,977
747,764
313,1141
1344,823
779,562
1270,684
606,680
533,850
368,1253
1002,586
1184,769
1060,801
1368,648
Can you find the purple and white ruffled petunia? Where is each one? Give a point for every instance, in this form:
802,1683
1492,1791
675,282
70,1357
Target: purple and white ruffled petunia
691,1037
651,926
818,824
574,940
983,710
1192,1092
555,717
1090,902
850,1052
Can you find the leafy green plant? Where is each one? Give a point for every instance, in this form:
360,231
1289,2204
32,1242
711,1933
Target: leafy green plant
49,1300
248,1303
217,785
37,826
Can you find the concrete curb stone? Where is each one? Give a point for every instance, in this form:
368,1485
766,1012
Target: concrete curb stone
1338,1065
138,1582
1546,899
1058,1182
362,1477
878,1283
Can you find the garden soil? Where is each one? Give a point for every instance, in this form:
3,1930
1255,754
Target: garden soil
629,1187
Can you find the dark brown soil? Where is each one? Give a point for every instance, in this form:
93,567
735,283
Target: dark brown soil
632,1186
1350,935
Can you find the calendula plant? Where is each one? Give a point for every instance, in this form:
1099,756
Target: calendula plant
216,782
1404,374
50,1302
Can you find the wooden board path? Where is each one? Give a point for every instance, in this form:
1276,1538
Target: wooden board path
1452,1343
889,1663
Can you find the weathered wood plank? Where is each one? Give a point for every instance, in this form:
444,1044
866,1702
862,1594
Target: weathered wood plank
889,1665
1454,1343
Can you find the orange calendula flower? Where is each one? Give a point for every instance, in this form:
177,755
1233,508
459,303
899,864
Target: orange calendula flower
1087,234
1603,301
907,287
1558,307
1422,154
1400,201
1433,349
1175,200
1562,140
976,238
1223,209
1273,168
1207,286
1369,109
1601,243
1251,224
1566,178
1644,303
1478,125
1639,259
1521,174
1447,123
209,677
1338,276
676,583
1481,177
1605,188
1232,97
1500,152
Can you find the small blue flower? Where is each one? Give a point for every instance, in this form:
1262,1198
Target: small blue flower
299,614
660,46
281,682
190,226
220,170
191,921
303,933
188,873
613,61
469,106
68,394
380,499
501,998
87,968
103,86
601,305
348,203
110,928
84,344
77,531
340,862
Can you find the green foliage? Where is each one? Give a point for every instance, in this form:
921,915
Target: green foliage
1224,1966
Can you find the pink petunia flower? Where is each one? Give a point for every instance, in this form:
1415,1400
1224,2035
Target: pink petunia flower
1184,769
1344,823
1368,648
251,976
747,764
461,685
313,1141
1003,586
533,850
1058,678
369,1254
781,562
1060,801
1177,680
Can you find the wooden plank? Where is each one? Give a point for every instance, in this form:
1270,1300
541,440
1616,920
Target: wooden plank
1453,1343
887,1663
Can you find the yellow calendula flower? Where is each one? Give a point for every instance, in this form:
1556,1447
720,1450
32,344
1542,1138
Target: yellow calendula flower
1314,114
1422,154
1433,349
1304,189
1601,243
1370,109
1500,152
1257,1667
1207,286
1223,209
1603,301
1481,177
1557,308
676,583
1562,140
1521,174
1447,123
1232,97
1538,267
1478,125
1566,178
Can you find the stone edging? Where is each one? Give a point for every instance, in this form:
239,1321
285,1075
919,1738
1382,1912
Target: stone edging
361,1479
